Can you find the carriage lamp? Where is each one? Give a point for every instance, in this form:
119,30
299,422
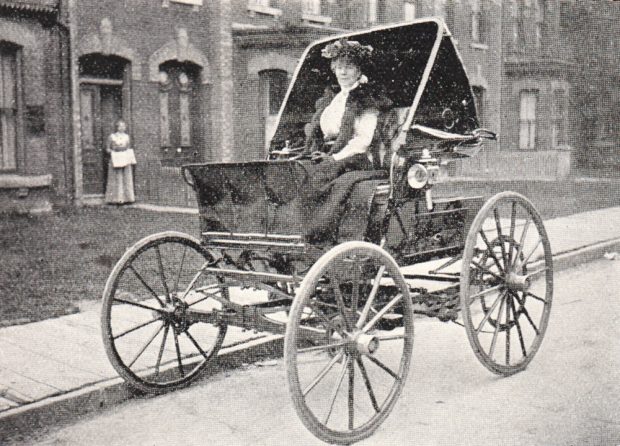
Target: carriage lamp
417,176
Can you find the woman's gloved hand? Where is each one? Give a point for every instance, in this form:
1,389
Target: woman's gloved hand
317,157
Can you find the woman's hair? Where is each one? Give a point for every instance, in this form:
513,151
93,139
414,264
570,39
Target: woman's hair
118,122
349,50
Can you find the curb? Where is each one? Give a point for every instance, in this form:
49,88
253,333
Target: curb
21,421
103,395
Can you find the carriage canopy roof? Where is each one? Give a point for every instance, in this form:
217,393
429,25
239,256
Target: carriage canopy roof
416,63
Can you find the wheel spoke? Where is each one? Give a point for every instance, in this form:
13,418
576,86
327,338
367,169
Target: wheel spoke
339,299
527,293
355,288
488,313
178,349
317,348
513,218
161,273
384,367
381,313
485,292
136,304
161,350
524,311
176,281
191,338
325,319
499,236
371,297
494,340
335,390
145,346
390,338
322,373
367,383
351,393
535,274
490,251
137,327
508,327
527,257
521,242
518,325
146,285
486,270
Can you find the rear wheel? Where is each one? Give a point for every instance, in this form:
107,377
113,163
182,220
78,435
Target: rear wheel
148,336
348,342
506,283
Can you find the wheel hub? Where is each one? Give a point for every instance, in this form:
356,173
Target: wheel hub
366,344
517,282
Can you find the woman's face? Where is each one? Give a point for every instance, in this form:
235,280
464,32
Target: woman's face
347,73
121,126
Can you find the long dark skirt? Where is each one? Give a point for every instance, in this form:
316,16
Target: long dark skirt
326,198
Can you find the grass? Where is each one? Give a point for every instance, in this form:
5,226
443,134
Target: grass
51,263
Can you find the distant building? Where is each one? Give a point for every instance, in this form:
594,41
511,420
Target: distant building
201,80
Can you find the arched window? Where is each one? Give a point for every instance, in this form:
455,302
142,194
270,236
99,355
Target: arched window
9,104
180,110
271,91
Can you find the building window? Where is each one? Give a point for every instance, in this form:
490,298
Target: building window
9,103
409,11
371,15
560,118
180,110
565,19
479,101
527,119
539,19
311,7
272,89
476,34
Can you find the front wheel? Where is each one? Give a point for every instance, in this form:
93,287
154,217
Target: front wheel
348,342
148,332
506,283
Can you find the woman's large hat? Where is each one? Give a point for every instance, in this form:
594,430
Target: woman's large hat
348,49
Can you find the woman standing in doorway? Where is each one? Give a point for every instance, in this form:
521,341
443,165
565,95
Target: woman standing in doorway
119,189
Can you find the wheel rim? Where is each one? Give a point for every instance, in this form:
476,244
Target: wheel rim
347,360
506,283
150,337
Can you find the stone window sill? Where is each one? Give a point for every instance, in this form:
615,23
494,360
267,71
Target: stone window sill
15,181
479,46
266,10
314,18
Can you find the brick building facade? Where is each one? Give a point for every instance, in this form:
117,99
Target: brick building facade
34,106
203,81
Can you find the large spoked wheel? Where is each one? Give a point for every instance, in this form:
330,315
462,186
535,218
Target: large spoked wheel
506,283
348,342
149,333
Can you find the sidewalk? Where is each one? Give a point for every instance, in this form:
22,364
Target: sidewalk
54,369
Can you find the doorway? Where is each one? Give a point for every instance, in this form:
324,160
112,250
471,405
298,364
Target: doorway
104,91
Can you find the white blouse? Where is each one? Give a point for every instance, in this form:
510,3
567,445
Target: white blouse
363,127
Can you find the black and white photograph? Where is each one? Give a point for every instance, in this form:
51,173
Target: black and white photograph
310,222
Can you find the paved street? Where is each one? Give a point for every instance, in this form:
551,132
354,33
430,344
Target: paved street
568,396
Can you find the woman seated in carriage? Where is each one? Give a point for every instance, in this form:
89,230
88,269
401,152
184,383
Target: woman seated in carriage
343,138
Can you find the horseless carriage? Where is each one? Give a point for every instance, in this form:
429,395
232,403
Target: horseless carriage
346,308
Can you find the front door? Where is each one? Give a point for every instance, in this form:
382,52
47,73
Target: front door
100,107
